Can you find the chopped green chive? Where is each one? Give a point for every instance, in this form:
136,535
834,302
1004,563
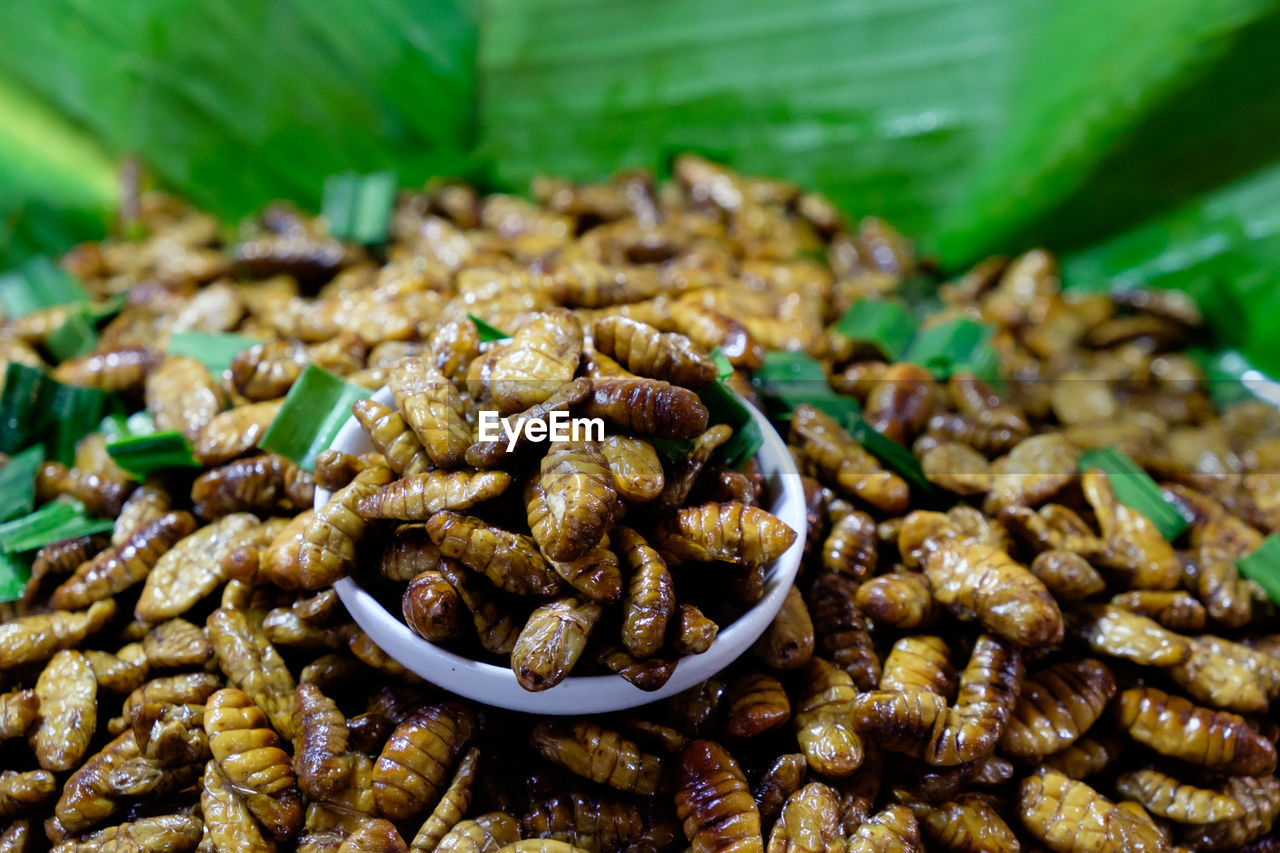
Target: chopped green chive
951,347
38,284
1136,490
315,408
725,407
1263,566
487,332
18,482
892,454
884,324
214,351
116,427
53,522
14,574
724,367
1230,377
358,207
74,338
790,379
143,454
35,409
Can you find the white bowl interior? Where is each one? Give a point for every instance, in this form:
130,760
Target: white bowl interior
495,685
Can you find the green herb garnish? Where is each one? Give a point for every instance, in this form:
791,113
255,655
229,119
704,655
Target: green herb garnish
487,332
1135,489
892,454
36,409
18,482
724,367
726,407
74,338
214,351
38,284
14,574
314,410
158,451
117,427
884,324
951,347
1263,566
53,522
358,207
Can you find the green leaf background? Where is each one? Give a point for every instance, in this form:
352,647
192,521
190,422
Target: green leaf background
1140,140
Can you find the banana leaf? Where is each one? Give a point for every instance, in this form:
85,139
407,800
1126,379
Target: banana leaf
1140,140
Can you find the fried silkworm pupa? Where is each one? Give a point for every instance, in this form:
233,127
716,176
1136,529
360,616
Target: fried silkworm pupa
637,471
1259,796
598,754
541,845
1067,575
453,346
1229,675
495,627
278,561
192,568
851,547
120,567
28,639
266,484
709,328
267,370
1173,726
391,437
1070,817
408,552
328,549
647,674
1086,757
810,822
18,710
789,640
757,704
452,806
321,758
20,792
251,661
17,837
957,468
694,632
644,350
841,630
228,822
432,607
176,833
1134,545
122,672
1175,610
779,781
88,795
190,688
542,356
895,828
680,482
116,371
714,802
61,558
600,823
410,772
842,462
510,561
921,725
1056,706
433,408
899,600
595,574
235,431
491,454
172,735
248,753
823,726
374,836
919,663
417,497
1164,796
1114,631
484,834
647,407
68,700
968,824
650,600
982,581
731,532
551,642
574,501
182,395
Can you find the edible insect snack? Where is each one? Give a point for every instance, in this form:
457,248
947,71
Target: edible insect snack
1021,622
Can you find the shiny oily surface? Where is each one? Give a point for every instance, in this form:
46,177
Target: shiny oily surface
588,694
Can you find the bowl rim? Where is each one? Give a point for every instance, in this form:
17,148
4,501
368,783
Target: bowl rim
589,694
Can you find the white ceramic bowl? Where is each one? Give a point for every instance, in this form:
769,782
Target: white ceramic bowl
592,694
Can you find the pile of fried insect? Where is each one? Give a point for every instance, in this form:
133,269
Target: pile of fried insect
1026,664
